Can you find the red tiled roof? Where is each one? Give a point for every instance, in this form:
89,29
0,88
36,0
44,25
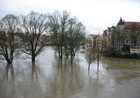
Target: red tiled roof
44,37
130,24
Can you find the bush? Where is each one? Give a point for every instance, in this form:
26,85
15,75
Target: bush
111,53
119,54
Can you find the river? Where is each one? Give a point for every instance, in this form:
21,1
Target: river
52,78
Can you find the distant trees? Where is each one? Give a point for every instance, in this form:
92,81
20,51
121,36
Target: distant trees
134,32
8,45
119,38
33,25
69,33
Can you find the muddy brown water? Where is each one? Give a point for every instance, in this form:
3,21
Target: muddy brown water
52,78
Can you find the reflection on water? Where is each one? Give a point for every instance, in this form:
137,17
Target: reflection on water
34,71
65,80
50,77
9,73
7,82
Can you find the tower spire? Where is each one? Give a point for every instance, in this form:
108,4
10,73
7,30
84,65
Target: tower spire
121,22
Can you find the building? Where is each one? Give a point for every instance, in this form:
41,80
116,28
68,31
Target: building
104,41
135,50
91,40
44,38
49,39
124,34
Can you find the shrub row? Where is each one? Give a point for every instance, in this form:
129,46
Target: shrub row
120,55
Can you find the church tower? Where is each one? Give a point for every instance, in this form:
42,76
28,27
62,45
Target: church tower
121,22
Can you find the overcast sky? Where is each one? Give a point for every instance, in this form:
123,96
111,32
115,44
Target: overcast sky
96,15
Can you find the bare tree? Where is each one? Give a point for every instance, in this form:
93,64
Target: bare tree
90,56
133,34
93,53
68,31
8,45
75,36
58,23
98,50
33,25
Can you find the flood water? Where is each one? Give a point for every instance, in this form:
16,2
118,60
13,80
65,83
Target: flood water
52,78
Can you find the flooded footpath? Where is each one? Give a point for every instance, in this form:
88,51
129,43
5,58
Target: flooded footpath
50,77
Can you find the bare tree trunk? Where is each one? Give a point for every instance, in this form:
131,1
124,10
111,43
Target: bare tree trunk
89,67
61,53
9,60
10,71
34,71
72,59
97,64
33,58
98,59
